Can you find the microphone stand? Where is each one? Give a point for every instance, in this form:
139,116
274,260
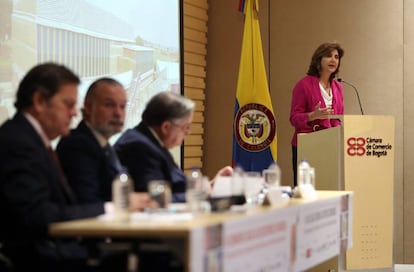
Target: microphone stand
356,91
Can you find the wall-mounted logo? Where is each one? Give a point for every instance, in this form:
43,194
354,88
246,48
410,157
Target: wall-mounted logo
254,127
356,146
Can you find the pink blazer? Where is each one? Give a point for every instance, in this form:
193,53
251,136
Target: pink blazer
306,95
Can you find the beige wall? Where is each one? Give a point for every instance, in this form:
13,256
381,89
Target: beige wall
407,133
378,38
223,54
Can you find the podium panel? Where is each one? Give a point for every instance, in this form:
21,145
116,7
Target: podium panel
323,150
359,157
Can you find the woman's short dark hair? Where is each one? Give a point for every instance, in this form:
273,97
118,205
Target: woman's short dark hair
46,78
323,50
166,106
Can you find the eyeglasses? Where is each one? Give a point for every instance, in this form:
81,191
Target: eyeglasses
184,127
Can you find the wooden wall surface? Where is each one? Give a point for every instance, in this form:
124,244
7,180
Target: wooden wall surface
195,41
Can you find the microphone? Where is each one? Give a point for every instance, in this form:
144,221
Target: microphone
356,91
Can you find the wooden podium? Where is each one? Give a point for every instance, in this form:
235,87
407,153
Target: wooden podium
358,157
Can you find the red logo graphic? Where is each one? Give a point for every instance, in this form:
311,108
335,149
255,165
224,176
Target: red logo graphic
356,146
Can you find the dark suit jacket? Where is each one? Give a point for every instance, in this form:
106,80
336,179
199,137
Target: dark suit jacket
86,166
147,160
31,193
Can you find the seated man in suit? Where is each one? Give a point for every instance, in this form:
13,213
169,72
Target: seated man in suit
85,153
166,120
33,190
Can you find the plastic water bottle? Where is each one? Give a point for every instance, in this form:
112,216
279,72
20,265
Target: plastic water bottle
195,190
121,189
304,173
306,177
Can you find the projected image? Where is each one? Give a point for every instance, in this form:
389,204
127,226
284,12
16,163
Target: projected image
134,41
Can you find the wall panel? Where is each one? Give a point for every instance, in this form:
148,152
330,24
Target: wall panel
195,40
406,192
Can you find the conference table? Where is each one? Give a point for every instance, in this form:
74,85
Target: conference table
294,235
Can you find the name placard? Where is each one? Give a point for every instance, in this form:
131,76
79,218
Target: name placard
318,233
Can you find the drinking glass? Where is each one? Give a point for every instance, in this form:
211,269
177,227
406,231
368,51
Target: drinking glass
196,193
253,184
271,177
160,192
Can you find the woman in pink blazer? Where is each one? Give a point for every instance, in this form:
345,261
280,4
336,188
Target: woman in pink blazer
317,96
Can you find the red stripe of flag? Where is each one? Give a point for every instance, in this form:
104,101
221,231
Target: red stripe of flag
241,5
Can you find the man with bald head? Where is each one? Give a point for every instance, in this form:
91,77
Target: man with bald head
86,154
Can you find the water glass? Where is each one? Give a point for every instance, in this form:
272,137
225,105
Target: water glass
253,184
196,193
271,177
160,192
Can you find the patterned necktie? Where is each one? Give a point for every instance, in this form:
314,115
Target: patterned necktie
112,158
63,181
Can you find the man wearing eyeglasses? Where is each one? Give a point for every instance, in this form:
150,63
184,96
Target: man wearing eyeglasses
144,149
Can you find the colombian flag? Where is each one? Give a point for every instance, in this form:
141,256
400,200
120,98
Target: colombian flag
254,131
